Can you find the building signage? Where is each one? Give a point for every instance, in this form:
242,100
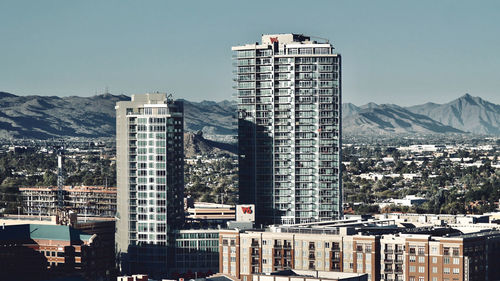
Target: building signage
246,210
245,213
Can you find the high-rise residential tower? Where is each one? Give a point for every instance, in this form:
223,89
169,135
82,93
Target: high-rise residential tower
150,177
289,128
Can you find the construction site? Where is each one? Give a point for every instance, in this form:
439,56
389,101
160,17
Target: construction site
84,200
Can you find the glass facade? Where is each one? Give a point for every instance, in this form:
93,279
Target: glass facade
150,173
289,97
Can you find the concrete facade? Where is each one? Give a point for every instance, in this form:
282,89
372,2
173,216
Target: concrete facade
150,177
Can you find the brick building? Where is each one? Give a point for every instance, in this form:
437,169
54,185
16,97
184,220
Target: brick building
28,251
387,257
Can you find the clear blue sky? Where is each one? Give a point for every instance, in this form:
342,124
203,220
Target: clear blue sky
403,52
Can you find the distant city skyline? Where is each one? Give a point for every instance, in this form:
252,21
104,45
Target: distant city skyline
394,52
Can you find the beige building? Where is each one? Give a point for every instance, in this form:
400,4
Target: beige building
247,253
150,179
387,257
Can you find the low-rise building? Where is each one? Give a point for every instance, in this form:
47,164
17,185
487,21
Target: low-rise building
88,200
33,250
310,275
196,253
381,252
104,228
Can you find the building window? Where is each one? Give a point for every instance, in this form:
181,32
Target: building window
446,270
446,251
421,259
421,269
412,250
421,250
456,270
412,258
434,269
434,259
456,261
412,268
434,250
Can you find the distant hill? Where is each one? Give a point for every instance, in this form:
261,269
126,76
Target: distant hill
391,119
196,144
210,117
349,109
44,117
467,113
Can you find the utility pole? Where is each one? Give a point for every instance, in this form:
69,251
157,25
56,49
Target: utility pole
60,178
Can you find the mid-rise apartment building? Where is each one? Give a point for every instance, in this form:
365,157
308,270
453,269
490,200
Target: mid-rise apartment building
289,128
85,200
387,257
244,254
150,177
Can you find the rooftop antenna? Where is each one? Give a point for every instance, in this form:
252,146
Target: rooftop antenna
60,178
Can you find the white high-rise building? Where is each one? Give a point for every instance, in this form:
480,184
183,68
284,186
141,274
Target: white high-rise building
150,179
289,128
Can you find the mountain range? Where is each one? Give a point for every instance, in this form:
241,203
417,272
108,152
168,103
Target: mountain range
44,117
467,114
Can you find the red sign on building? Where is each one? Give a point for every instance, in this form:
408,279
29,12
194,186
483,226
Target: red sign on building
246,210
